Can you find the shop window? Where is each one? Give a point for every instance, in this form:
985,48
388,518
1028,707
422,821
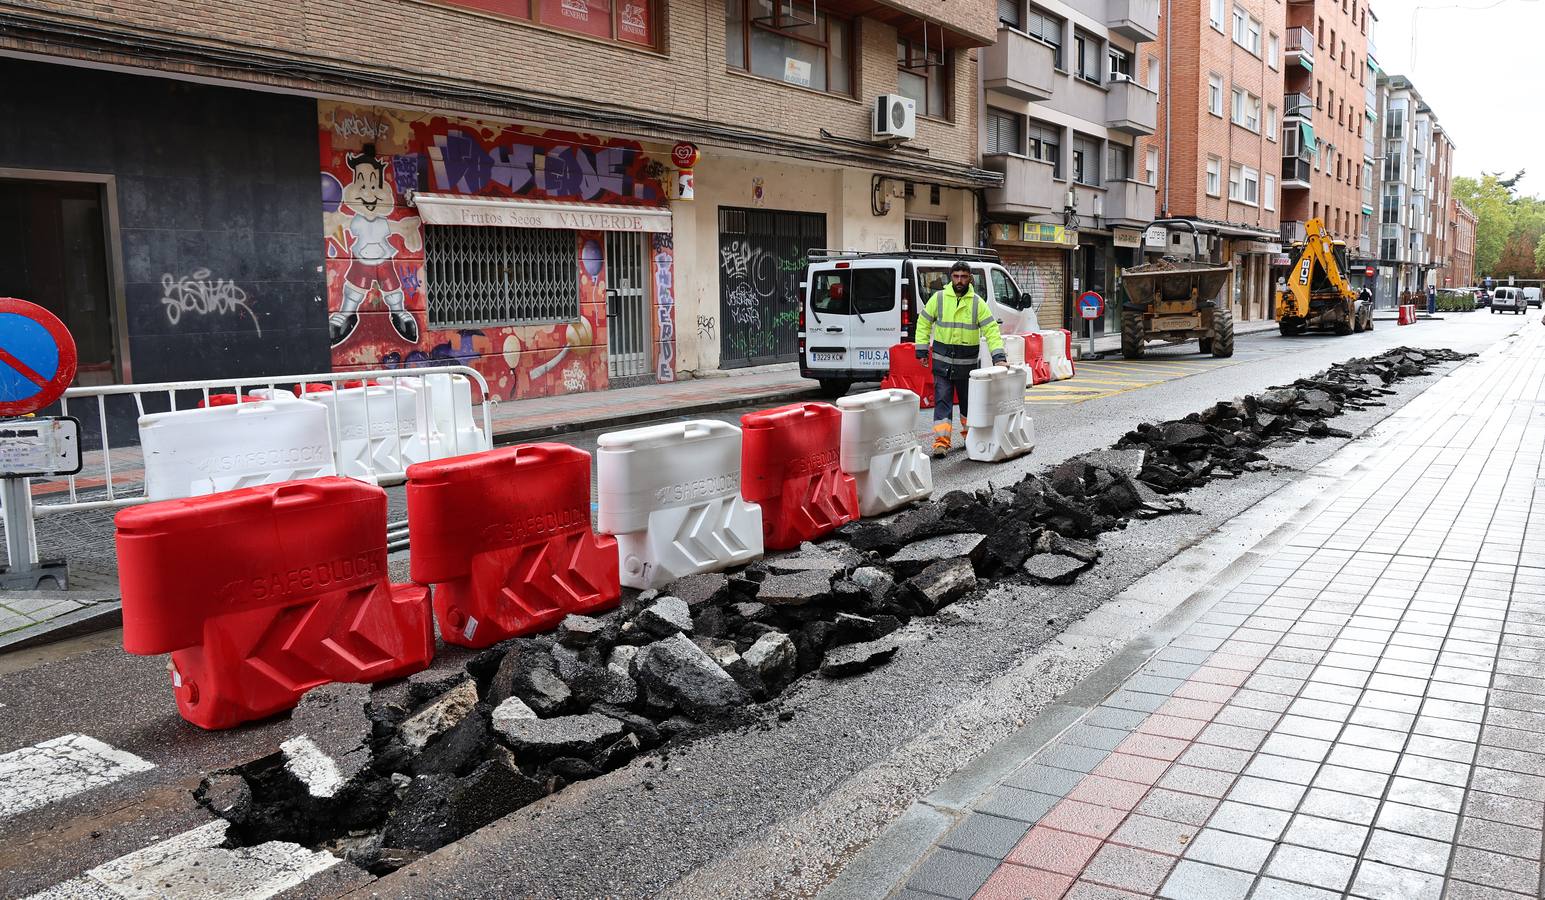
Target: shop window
787,43
924,76
627,21
1005,132
930,232
479,276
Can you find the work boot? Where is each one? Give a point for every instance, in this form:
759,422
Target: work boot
942,435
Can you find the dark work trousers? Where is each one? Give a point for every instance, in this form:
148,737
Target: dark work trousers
947,386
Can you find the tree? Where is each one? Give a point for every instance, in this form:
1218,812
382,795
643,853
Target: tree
1539,255
1492,203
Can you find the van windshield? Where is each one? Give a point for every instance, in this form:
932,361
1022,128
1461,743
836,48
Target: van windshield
937,278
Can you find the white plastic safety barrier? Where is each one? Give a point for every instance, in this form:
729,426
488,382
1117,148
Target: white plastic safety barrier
445,402
374,428
1058,357
671,495
1001,427
192,452
1013,348
879,448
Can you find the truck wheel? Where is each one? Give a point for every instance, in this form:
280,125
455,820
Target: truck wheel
1131,334
1357,324
834,387
1221,345
1204,345
1342,327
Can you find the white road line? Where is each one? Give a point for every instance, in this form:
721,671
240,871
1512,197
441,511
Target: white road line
53,770
193,866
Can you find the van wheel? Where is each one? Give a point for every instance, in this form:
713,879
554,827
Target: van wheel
834,387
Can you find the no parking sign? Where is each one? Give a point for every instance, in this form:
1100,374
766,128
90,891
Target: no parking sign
1091,305
37,357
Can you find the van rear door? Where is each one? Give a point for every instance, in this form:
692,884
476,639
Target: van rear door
853,317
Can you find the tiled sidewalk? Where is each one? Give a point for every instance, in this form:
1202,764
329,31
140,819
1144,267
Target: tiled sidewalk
1363,716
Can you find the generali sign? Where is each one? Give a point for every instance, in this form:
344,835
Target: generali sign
441,209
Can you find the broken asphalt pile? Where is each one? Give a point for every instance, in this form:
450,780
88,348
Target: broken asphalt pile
381,777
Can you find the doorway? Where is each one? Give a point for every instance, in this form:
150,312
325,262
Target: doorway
628,326
56,237
762,256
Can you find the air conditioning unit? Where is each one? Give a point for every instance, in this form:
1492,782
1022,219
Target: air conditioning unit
1120,76
895,117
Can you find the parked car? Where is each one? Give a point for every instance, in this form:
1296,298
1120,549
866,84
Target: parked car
1482,298
856,305
1509,299
1535,296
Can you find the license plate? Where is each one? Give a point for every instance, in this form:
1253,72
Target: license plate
1176,323
827,357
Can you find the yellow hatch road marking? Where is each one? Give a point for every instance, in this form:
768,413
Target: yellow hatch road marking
1098,379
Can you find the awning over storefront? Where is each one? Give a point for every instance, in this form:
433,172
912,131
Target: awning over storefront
1307,132
454,209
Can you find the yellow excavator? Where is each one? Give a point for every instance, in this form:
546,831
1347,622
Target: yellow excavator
1316,293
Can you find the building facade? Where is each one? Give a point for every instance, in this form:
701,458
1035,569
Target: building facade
1460,268
1219,140
1065,100
1440,182
564,194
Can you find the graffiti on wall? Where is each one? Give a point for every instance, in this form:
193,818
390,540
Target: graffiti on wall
377,291
198,295
662,261
759,274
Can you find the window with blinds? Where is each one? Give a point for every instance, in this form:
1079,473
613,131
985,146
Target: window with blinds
1008,13
1045,144
479,276
1086,160
1119,164
1005,132
1045,28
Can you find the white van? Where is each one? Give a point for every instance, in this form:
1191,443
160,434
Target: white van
1510,299
856,305
1534,296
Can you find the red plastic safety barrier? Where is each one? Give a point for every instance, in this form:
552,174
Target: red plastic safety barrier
1407,314
1067,338
505,538
226,400
790,465
911,374
263,593
1035,358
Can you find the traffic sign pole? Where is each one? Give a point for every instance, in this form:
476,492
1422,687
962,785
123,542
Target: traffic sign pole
1090,306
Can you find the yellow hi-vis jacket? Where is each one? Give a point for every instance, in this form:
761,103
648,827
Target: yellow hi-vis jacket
956,325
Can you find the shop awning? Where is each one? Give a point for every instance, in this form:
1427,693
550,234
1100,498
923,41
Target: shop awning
1307,133
455,209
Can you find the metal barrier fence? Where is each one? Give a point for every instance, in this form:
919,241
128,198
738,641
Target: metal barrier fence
113,477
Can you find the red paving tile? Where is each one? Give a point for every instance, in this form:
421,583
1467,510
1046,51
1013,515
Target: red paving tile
1153,746
1197,690
1189,709
1013,882
1171,726
1138,769
1084,818
1055,851
1102,791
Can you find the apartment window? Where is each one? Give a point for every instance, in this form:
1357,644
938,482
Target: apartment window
1153,74
1273,50
1216,14
500,276
1215,94
1005,132
1214,176
1009,13
1332,43
626,21
924,77
1236,183
1271,122
768,40
1086,57
1120,64
1252,186
1045,144
1047,29
1119,162
1319,93
1151,167
1086,160
1246,110
1320,32
1247,31
1269,195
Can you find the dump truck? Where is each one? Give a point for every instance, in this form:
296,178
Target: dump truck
1316,293
1176,300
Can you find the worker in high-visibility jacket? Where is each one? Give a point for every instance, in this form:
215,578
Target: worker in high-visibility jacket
955,321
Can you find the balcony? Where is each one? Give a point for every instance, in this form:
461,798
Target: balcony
1297,106
1136,20
1129,202
1131,108
1019,66
1028,187
1295,173
1293,232
1299,47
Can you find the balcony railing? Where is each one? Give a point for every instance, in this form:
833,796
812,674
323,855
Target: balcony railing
1131,108
1028,187
1299,43
1293,232
1136,20
1019,65
1299,105
1295,172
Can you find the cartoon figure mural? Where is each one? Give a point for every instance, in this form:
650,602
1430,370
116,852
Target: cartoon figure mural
363,208
378,292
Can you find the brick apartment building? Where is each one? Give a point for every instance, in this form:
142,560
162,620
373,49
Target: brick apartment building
1325,117
1219,138
264,187
1459,270
1065,101
1440,177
